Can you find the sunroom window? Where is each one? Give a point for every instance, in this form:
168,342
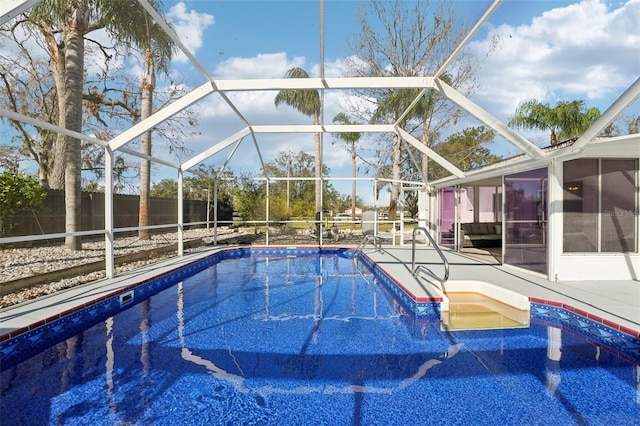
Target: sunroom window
600,205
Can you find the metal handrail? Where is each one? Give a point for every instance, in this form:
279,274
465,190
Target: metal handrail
370,237
355,263
414,268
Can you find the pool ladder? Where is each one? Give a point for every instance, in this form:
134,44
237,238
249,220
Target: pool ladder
415,269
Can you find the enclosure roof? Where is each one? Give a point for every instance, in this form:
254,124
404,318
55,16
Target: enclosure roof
226,89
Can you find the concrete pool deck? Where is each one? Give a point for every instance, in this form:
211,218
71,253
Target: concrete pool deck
613,303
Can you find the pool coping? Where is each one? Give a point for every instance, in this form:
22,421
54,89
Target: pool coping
22,318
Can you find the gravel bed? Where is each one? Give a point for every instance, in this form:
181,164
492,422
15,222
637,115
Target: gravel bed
24,262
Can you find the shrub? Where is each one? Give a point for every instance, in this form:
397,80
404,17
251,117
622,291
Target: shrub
18,191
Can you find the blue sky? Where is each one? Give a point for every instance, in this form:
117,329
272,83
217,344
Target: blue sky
548,50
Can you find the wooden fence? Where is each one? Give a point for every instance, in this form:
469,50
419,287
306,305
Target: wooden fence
162,211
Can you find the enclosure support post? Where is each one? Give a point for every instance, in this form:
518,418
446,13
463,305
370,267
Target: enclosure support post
180,213
266,235
108,213
215,211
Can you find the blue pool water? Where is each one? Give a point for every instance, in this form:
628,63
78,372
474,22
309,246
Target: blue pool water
313,339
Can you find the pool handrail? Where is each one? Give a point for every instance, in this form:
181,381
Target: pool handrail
414,268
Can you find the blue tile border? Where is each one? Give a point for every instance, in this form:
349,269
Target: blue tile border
420,310
599,334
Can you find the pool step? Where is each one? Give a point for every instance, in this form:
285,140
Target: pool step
476,311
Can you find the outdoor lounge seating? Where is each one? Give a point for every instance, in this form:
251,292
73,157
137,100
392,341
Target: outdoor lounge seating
370,232
481,234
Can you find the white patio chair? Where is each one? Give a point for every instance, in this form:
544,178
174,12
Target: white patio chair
370,232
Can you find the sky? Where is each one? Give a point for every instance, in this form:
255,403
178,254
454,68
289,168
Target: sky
548,50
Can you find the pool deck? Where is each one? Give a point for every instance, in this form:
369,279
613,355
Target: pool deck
613,303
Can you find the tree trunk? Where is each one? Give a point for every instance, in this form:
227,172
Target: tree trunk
58,151
554,137
44,165
425,158
56,176
318,167
74,78
395,185
353,184
148,85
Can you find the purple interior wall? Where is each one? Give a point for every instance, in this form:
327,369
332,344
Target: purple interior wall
447,216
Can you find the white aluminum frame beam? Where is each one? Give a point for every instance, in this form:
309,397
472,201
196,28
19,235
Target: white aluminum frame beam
622,103
109,238
160,116
174,37
48,126
229,157
505,131
407,137
148,157
215,149
410,107
54,128
23,7
171,33
417,166
326,128
327,83
255,143
523,164
468,37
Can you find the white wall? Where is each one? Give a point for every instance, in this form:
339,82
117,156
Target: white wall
598,267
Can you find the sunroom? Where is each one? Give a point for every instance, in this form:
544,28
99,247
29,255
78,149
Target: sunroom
572,216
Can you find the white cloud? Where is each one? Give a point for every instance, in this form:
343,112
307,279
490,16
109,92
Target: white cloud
218,121
8,5
264,65
190,27
582,51
259,106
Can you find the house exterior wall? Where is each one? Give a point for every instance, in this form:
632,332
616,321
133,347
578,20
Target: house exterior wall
601,267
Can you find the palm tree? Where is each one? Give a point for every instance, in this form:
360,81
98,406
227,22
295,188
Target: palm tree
308,103
64,25
566,120
74,19
393,105
157,50
426,109
350,138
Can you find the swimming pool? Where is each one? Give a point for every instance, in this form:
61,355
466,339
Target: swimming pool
309,337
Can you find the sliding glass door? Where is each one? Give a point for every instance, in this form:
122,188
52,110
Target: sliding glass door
525,224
